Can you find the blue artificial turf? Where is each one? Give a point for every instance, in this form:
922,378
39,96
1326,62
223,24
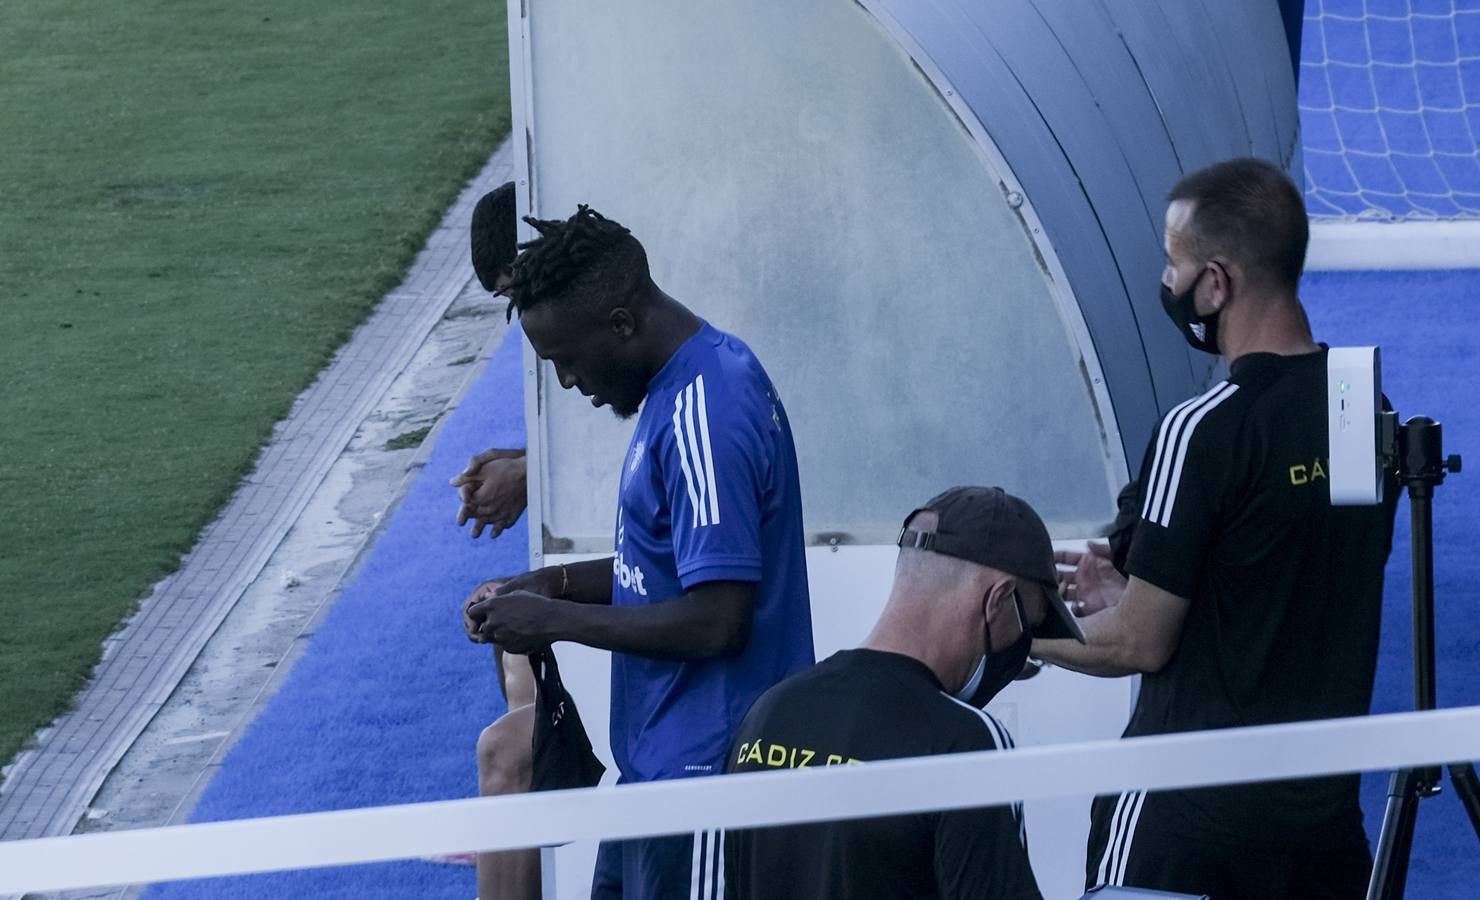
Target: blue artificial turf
1427,326
387,703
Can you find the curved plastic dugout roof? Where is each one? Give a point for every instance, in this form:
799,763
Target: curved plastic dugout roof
937,222
1097,107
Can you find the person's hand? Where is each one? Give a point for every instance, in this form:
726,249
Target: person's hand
473,625
1090,583
545,582
492,491
518,621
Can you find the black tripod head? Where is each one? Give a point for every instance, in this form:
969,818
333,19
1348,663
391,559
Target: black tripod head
1414,451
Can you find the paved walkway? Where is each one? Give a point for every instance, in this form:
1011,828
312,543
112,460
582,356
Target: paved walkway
50,786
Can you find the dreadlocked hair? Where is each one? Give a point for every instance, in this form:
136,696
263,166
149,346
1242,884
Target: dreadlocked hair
579,260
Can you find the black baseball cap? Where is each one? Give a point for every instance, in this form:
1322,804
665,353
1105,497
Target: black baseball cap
990,527
495,234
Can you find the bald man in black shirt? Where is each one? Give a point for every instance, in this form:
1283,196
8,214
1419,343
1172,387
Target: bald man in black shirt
1250,599
974,582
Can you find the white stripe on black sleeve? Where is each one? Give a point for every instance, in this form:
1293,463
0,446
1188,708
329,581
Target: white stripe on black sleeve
1166,517
1166,442
1007,742
1163,438
1002,738
1118,873
1171,452
699,881
717,882
990,722
694,868
1122,834
1004,741
1102,877
999,734
683,458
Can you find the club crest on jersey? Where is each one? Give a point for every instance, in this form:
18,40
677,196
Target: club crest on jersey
636,460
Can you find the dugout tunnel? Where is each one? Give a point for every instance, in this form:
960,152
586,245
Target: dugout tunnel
937,222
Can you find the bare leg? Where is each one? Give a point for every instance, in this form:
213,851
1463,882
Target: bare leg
504,760
516,678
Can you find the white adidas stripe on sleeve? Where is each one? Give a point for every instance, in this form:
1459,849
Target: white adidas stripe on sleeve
1117,875
695,454
707,867
683,458
707,451
1003,739
1171,452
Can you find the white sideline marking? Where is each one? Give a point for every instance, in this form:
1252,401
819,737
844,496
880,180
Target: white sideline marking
1337,246
739,801
196,738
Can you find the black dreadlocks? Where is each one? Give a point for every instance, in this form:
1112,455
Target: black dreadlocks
579,260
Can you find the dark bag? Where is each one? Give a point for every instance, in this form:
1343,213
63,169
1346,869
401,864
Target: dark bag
562,752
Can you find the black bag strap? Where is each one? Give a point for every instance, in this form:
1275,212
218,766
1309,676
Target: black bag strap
546,672
550,698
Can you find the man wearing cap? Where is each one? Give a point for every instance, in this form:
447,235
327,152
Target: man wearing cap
973,584
492,489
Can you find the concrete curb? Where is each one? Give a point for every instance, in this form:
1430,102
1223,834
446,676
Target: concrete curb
50,786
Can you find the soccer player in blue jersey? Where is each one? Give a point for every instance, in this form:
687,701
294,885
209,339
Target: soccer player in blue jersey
704,603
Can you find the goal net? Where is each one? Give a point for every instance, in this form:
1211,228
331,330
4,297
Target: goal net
1390,109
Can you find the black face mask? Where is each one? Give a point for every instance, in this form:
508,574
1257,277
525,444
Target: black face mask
1200,331
998,668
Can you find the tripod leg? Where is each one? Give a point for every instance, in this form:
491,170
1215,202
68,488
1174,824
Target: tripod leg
1467,785
1390,865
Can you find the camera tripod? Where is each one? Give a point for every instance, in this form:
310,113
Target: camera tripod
1418,450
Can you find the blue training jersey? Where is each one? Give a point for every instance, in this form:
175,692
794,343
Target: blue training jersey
709,493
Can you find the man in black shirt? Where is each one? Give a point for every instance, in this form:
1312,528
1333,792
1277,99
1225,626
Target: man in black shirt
1250,599
974,581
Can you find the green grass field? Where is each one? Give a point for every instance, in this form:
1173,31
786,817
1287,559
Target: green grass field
198,203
